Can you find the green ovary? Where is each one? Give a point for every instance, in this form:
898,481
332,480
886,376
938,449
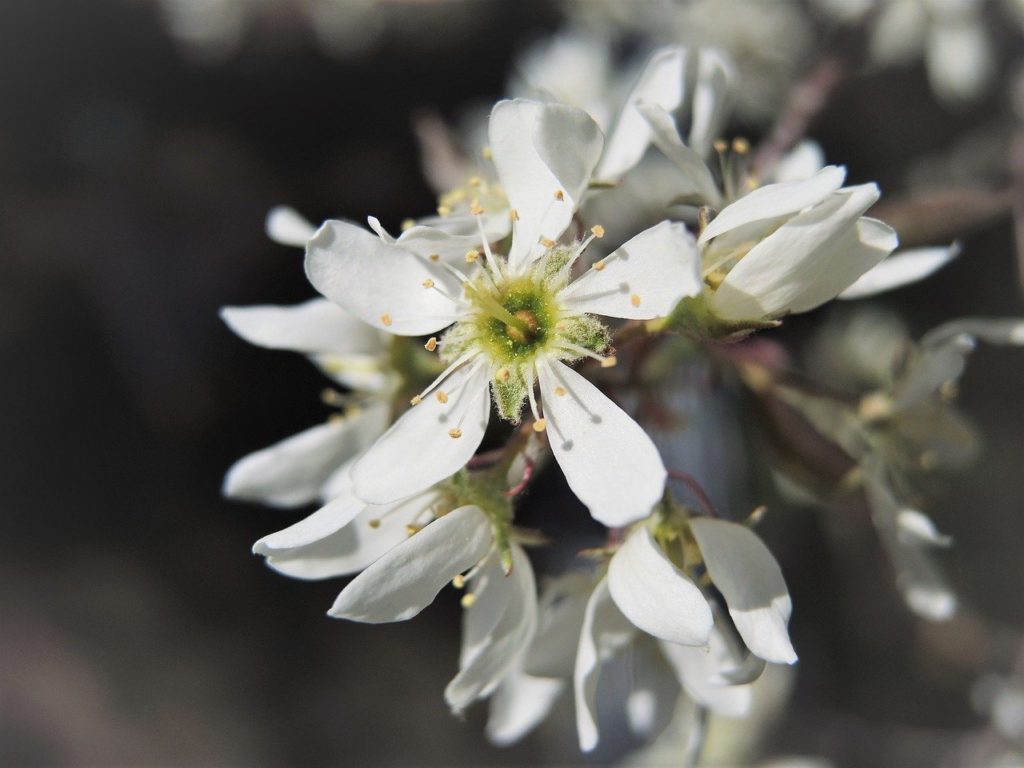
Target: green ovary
526,326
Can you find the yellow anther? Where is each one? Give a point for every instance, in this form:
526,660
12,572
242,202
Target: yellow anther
455,433
375,523
635,299
385,318
560,391
468,599
715,278
415,400
547,242
428,283
540,425
408,224
472,256
740,146
597,231
513,214
431,344
412,529
599,265
442,397
476,209
610,362
444,210
459,581
434,257
486,153
720,145
474,181
559,195
502,374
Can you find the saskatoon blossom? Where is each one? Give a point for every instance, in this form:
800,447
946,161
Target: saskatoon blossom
514,322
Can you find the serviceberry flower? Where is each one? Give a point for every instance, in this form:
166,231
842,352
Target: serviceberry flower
515,322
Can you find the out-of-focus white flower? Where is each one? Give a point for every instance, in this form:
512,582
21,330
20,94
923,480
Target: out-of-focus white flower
950,35
514,322
303,467
649,597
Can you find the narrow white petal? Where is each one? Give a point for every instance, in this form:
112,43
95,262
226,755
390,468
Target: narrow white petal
605,631
898,34
959,58
801,162
608,460
654,691
519,705
915,527
313,327
808,260
287,226
374,532
380,284
561,610
643,279
426,241
710,99
293,471
655,595
492,650
327,520
419,450
746,574
697,181
540,150
700,672
660,83
774,200
902,268
405,580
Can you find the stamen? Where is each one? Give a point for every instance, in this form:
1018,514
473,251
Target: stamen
441,396
547,242
375,523
597,231
560,391
598,265
492,262
455,433
444,211
605,361
635,300
431,344
720,145
472,256
476,209
412,529
740,145
529,395
540,425
386,319
462,360
559,195
468,599
513,214
434,257
428,283
459,581
408,224
415,400
474,181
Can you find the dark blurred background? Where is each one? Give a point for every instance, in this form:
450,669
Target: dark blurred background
136,628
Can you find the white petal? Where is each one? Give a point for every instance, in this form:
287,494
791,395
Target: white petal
605,631
608,460
655,595
643,279
959,60
902,268
747,575
700,672
801,162
380,284
374,532
519,705
491,651
775,200
899,31
405,580
697,179
654,691
287,226
426,241
540,150
809,260
562,605
329,519
418,450
313,327
661,84
710,99
293,471
917,528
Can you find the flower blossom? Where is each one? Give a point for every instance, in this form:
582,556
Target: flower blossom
515,323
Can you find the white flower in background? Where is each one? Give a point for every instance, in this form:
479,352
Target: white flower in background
902,424
515,323
649,600
950,35
766,40
303,467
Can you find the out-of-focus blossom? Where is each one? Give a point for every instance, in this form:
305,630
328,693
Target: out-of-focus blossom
515,322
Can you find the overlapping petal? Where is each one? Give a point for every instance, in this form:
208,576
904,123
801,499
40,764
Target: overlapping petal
313,327
901,269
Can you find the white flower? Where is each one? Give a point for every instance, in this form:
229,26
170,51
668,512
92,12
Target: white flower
515,322
301,468
647,597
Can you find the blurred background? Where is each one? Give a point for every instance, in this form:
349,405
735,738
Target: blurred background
142,146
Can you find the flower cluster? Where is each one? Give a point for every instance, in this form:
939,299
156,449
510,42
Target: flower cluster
515,319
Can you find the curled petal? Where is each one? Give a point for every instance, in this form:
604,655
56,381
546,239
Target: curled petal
902,268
